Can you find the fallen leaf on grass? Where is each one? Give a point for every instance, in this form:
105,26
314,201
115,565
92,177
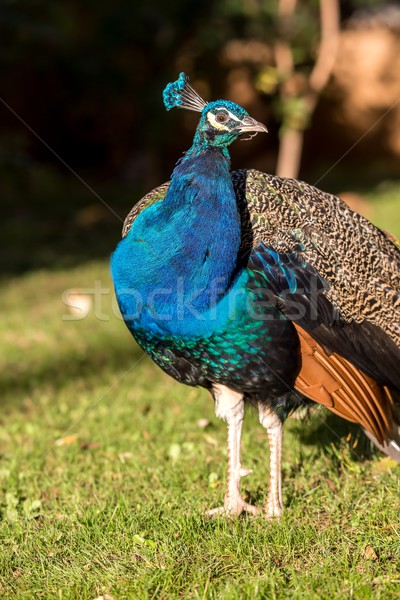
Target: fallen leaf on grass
89,445
138,557
329,483
174,452
139,539
32,507
67,440
124,456
210,440
369,553
112,475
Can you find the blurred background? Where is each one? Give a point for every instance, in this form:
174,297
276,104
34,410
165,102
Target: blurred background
82,119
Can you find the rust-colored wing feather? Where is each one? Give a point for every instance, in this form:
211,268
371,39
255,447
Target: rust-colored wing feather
335,383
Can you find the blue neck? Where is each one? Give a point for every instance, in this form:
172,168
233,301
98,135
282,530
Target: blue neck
202,144
183,251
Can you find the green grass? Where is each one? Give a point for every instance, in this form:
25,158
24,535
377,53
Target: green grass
117,507
385,201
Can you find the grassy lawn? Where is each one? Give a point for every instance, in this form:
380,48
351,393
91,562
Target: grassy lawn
105,473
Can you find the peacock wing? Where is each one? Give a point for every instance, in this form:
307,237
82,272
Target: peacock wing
152,197
345,366
359,263
303,296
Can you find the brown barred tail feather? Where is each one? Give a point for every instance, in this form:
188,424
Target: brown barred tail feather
335,383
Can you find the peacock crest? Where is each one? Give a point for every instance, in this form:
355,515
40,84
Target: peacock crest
180,94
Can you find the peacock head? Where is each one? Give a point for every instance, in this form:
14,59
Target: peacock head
221,122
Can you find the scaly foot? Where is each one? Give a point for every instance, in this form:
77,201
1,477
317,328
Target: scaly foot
233,507
228,511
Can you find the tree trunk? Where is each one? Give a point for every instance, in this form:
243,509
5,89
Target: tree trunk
291,141
290,151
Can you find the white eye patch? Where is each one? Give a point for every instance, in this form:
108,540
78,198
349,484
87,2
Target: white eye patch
231,115
211,118
213,121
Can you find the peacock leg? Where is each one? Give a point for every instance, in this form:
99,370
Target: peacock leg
274,427
229,406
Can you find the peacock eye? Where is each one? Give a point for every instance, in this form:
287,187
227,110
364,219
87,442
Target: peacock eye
221,117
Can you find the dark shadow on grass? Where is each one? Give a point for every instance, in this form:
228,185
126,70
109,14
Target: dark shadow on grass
52,221
328,433
64,370
325,430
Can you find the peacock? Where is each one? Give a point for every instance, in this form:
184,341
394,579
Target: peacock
263,290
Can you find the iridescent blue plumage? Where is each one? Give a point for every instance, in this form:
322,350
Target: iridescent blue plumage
180,280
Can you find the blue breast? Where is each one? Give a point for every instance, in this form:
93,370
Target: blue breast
181,255
189,298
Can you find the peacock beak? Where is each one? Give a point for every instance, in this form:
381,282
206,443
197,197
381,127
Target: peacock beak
248,124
